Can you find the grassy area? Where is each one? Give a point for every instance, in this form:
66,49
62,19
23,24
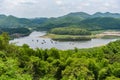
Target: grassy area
110,37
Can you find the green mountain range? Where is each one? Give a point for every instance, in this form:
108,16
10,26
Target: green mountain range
83,20
79,19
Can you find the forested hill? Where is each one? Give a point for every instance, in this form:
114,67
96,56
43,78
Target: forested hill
24,63
79,19
100,23
15,22
82,20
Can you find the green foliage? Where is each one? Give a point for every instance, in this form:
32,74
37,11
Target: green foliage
24,63
15,32
69,37
4,41
112,78
70,31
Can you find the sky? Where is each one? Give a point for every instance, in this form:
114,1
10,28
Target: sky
55,8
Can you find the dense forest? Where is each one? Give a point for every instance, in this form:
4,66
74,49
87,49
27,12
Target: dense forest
16,32
70,31
24,63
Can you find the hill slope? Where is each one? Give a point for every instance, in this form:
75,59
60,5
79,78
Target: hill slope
11,21
100,23
83,20
80,19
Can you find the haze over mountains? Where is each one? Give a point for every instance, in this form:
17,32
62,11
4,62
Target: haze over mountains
80,19
97,14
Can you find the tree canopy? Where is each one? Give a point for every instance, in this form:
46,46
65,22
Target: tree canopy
70,31
24,63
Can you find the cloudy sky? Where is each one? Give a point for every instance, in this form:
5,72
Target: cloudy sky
54,8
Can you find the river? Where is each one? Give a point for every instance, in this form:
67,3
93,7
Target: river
35,41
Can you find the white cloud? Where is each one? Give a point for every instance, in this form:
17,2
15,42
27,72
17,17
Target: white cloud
107,4
49,8
59,2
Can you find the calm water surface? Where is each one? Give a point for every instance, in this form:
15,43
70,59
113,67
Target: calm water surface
35,41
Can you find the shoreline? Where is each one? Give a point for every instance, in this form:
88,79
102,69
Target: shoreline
105,34
67,37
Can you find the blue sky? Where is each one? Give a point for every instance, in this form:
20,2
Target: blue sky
54,8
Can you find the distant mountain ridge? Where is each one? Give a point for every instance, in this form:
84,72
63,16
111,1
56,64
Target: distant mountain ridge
97,14
107,14
12,21
82,19
75,18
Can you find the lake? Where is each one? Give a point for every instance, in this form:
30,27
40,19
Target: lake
35,41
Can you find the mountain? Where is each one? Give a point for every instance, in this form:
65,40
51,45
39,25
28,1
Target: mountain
107,14
80,14
11,21
38,20
80,19
100,23
83,20
63,21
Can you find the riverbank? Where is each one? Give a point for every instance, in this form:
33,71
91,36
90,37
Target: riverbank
103,34
68,37
16,32
18,35
108,34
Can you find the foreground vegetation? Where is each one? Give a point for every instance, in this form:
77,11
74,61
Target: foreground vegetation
24,63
